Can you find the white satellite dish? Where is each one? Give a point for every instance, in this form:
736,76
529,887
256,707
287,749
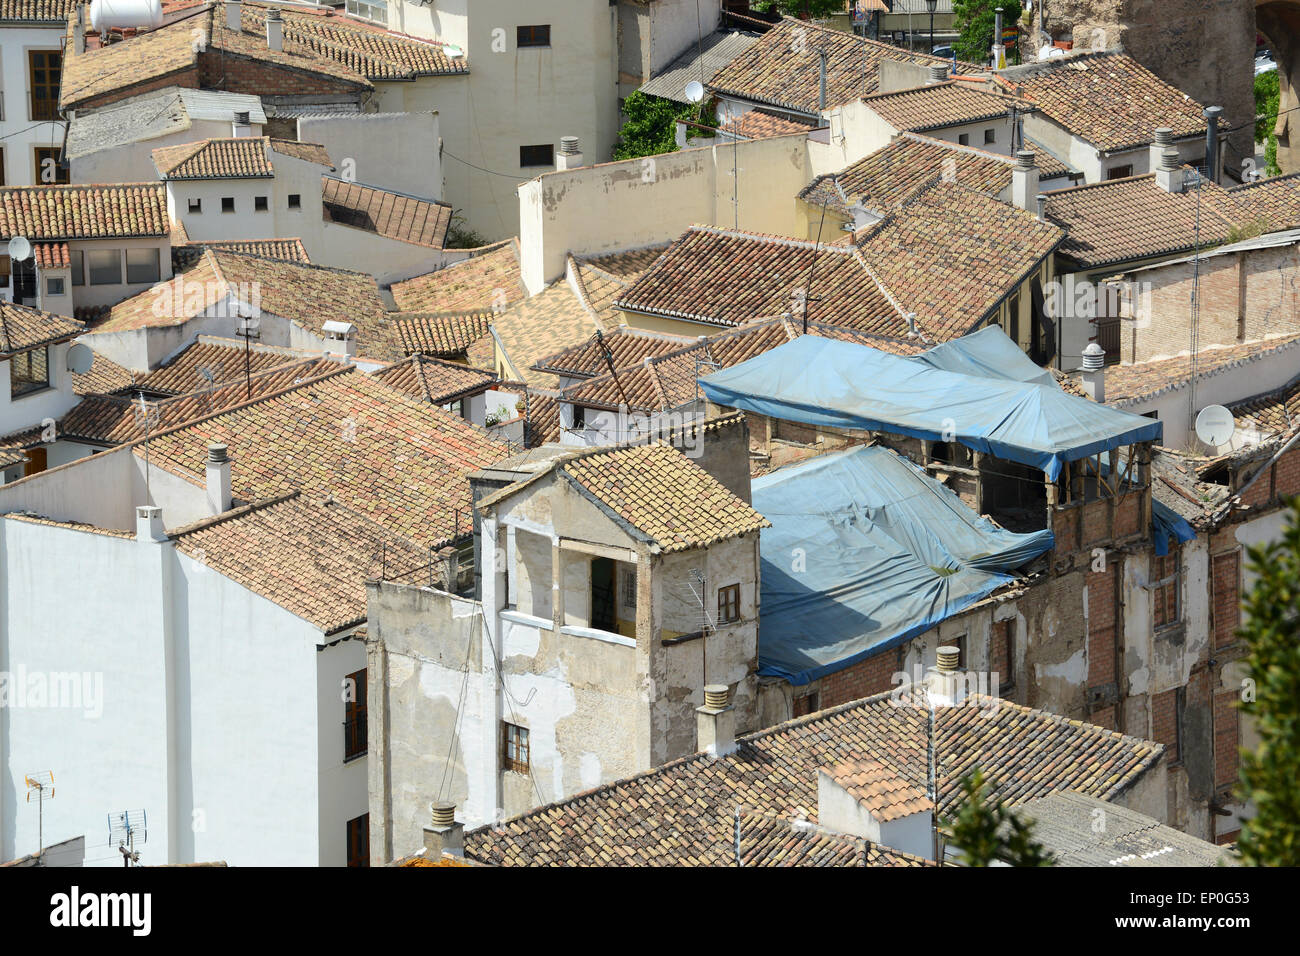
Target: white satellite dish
19,248
1215,425
695,91
453,51
80,358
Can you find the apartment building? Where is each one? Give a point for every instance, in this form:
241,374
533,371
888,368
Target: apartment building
31,66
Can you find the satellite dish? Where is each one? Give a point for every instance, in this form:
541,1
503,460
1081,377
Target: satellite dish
19,248
453,51
80,358
1215,425
695,91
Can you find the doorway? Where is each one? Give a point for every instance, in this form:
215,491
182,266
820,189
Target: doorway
602,594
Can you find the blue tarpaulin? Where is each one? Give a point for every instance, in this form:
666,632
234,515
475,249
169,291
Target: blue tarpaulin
865,552
980,404
1167,523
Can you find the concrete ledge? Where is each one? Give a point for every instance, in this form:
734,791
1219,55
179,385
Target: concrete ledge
608,637
519,617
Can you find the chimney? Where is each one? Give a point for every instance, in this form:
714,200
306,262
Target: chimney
570,154
945,687
1169,176
821,80
866,799
1094,372
1163,141
1042,207
998,48
234,15
342,337
911,324
449,559
716,722
79,31
218,480
243,125
444,835
274,30
1024,180
1212,114
938,74
149,524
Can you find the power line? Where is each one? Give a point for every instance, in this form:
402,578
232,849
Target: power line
515,176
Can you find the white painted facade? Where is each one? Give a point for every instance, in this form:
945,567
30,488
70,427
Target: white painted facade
28,410
20,132
397,151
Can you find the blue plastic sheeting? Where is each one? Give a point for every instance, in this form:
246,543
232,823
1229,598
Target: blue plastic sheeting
1167,523
988,353
844,385
867,551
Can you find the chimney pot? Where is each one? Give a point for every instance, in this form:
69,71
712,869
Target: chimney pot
1025,178
217,483
1042,207
949,658
570,154
1093,378
716,722
1169,176
938,73
444,835
149,524
274,30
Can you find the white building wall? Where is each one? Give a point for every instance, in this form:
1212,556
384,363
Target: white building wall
26,411
398,151
20,134
133,162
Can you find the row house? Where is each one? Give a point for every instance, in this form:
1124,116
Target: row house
31,65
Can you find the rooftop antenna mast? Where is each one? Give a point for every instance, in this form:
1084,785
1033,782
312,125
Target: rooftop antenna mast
125,829
1196,183
703,359
40,783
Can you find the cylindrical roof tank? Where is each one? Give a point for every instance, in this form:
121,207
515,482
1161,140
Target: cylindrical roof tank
142,14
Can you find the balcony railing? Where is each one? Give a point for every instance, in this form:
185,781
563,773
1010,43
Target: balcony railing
354,737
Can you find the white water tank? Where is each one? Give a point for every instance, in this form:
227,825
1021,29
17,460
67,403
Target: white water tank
141,14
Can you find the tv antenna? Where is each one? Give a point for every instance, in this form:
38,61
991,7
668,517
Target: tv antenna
40,783
125,829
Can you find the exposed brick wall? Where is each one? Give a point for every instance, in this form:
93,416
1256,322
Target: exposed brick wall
236,74
870,676
1000,657
1164,722
186,79
1227,738
1065,529
1225,571
1101,627
1128,512
1286,474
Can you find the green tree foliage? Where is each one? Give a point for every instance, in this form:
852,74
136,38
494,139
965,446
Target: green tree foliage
1272,632
1267,95
974,20
985,831
651,126
804,9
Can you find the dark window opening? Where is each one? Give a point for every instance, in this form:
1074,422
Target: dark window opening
805,705
227,203
295,201
514,748
354,716
196,205
538,35
540,155
990,136
359,841
29,372
260,204
602,594
729,604
1120,172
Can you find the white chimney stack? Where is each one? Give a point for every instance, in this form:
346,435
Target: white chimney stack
866,799
443,835
1093,379
1024,180
1169,176
274,30
79,31
149,524
342,336
218,480
1164,139
570,154
946,687
242,125
234,15
716,722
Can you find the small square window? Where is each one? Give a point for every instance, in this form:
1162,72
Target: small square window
514,750
227,203
29,372
540,155
1120,172
295,201
196,206
963,139
729,604
539,35
260,204
629,588
805,705
142,265
105,266
990,136
54,285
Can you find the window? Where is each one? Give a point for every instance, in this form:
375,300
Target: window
295,201
105,266
963,139
48,170
729,604
142,265
196,206
2,152
359,841
1164,588
54,285
579,417
29,372
260,204
373,10
805,705
960,644
456,408
990,136
354,716
629,588
533,35
1120,172
227,203
78,263
541,155
45,67
514,749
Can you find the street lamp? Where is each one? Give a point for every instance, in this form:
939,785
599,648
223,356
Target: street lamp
930,5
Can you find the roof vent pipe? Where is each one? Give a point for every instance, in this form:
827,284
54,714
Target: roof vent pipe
274,30
570,154
1024,179
949,659
217,475
938,73
79,31
1042,207
716,722
821,80
1164,139
1093,378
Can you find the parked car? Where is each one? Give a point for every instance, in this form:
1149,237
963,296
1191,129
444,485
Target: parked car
1264,61
944,51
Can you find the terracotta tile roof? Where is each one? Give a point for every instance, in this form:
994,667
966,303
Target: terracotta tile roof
23,328
439,335
307,152
104,377
386,456
761,124
1127,220
390,214
880,789
116,419
70,525
242,157
723,277
290,249
488,281
941,104
1275,413
1108,99
142,59
222,359
663,495
84,212
36,11
541,417
951,255
308,556
1276,200
781,68
433,380
627,265
765,840
683,813
553,319
1126,384
621,348
51,255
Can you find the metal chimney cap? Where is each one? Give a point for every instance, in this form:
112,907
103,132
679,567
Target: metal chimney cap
443,814
949,659
569,145
717,695
217,454
1094,358
1213,113
1025,159
1164,136
273,14
938,72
